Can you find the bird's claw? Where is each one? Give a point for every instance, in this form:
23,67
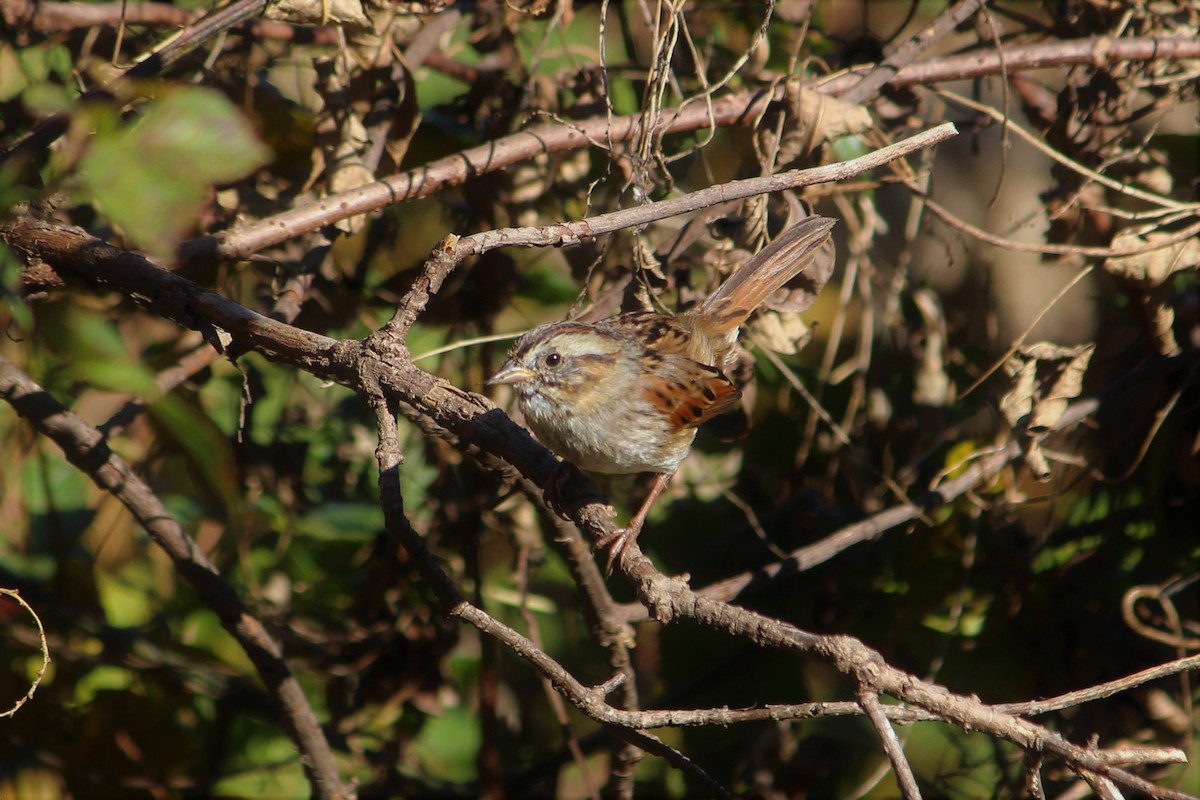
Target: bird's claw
617,543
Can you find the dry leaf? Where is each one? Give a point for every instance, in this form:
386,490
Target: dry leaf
405,118
933,386
1163,318
783,332
318,12
1155,266
644,257
814,118
1064,386
348,169
1046,377
1154,269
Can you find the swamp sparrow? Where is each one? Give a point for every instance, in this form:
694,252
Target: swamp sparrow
627,393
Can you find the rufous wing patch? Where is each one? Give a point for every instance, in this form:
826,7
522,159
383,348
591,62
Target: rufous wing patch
690,393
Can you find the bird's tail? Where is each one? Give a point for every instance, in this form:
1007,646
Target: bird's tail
764,274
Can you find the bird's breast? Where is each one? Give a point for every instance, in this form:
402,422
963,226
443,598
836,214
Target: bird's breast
611,429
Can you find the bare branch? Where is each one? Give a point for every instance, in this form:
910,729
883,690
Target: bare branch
891,743
904,55
37,679
1102,51
1099,691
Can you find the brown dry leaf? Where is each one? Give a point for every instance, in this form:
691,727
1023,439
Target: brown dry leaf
783,332
405,119
1152,270
1047,377
350,175
1017,406
529,186
814,118
415,7
1018,401
644,257
933,386
1163,320
708,475
1155,266
318,12
348,170
1065,385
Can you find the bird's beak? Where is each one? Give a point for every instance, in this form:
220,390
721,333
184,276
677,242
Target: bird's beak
511,373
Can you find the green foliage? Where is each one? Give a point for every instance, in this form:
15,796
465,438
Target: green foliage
104,678
265,765
38,75
151,176
448,745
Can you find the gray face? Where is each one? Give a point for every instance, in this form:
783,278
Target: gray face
574,389
560,360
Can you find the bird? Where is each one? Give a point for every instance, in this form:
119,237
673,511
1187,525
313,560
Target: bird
626,394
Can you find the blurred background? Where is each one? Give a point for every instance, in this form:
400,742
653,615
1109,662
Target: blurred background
1039,582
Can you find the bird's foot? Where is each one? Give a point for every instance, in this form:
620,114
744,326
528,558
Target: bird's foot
617,541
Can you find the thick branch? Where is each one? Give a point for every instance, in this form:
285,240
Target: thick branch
72,250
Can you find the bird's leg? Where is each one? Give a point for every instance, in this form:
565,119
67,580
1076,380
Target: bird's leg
618,540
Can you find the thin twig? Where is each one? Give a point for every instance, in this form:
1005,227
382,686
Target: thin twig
453,250
1020,340
243,241
975,231
891,743
1038,144
1101,51
906,53
1101,690
45,648
569,233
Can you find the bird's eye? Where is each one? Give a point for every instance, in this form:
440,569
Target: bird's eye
552,360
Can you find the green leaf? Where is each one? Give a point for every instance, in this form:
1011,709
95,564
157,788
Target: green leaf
1061,555
447,745
342,521
44,99
202,630
97,355
34,64
12,77
59,61
104,677
206,448
125,604
50,485
261,762
152,177
11,303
